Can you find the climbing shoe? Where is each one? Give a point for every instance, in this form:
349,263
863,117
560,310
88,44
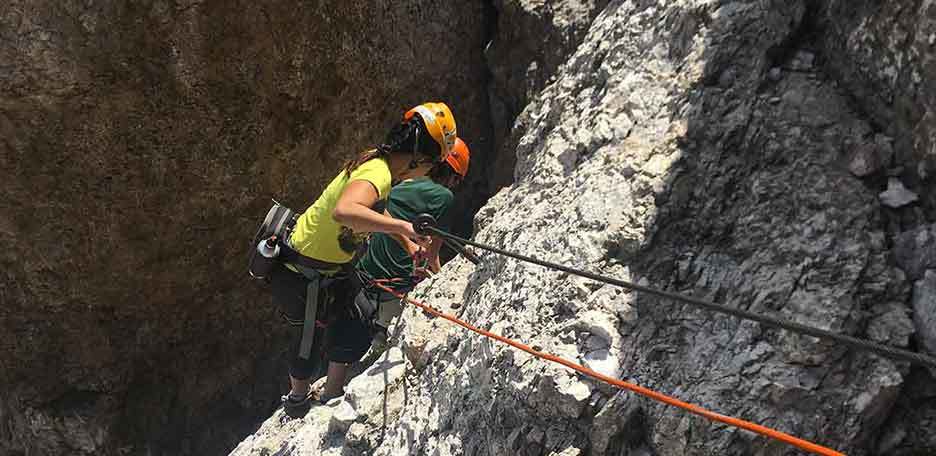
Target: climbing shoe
298,406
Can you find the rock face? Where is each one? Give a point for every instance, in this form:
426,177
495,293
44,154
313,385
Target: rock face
533,38
915,412
326,429
915,251
141,142
883,53
924,310
701,147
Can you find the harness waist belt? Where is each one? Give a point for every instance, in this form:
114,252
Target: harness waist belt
291,255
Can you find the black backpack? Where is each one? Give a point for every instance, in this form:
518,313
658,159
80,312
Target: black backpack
277,226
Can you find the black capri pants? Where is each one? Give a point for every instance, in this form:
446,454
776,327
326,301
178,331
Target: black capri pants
339,336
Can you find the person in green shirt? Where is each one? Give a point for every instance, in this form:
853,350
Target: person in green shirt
327,236
389,258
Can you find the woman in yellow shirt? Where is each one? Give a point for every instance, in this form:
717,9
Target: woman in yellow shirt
330,231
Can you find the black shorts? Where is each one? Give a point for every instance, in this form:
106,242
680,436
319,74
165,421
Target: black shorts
339,336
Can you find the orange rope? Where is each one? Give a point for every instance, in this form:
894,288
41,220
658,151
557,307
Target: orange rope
739,423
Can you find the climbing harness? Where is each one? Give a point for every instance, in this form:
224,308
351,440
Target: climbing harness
657,396
308,324
271,245
425,224
420,266
316,311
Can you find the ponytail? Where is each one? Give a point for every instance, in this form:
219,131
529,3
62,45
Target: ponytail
382,151
403,138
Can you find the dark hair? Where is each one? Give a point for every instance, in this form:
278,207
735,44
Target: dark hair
443,174
401,139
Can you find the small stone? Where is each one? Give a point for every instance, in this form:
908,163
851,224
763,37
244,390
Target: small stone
870,157
727,78
356,435
915,251
571,451
775,74
342,418
897,195
803,61
536,435
863,162
806,57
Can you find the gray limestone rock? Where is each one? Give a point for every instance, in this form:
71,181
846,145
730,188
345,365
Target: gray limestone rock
354,423
915,251
617,420
883,54
775,74
924,309
640,156
906,433
893,326
871,157
533,39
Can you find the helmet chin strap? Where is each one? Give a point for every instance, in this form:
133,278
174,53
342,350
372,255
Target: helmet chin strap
414,163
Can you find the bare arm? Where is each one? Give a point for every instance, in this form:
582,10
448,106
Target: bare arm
408,245
354,211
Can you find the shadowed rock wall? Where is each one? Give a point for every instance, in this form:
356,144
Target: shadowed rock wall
139,145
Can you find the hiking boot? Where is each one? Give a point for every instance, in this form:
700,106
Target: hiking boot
298,406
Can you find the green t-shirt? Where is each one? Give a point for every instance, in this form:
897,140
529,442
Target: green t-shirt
317,234
385,258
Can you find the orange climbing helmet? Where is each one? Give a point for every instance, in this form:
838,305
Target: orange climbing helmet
439,122
459,157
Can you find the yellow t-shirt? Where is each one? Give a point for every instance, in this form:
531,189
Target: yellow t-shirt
318,235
